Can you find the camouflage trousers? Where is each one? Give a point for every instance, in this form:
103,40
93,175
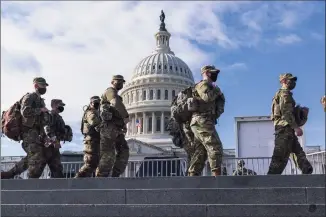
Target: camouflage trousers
188,143
122,155
91,157
207,145
286,142
38,156
108,138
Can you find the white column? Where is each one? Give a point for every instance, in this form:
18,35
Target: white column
144,123
128,130
154,94
133,125
153,122
162,122
136,128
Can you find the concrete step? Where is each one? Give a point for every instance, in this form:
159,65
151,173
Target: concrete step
225,210
167,182
311,195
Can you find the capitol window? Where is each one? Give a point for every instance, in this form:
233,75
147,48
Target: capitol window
144,95
159,66
180,69
158,124
173,94
165,67
132,98
170,67
158,94
149,124
166,121
166,94
151,94
176,68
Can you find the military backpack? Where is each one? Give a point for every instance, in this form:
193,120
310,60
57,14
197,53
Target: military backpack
11,121
179,106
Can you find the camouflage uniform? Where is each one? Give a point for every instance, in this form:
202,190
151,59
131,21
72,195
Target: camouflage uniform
113,134
285,139
33,123
189,144
55,129
203,126
242,171
90,128
50,155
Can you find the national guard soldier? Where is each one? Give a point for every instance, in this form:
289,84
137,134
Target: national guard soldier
90,128
207,105
34,119
57,132
115,117
286,128
242,171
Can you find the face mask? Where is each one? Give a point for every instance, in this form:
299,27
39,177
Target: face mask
61,109
213,77
96,105
41,90
291,85
119,86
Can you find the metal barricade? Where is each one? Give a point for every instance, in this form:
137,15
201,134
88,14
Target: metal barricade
178,167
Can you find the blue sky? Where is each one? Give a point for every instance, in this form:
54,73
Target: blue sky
251,42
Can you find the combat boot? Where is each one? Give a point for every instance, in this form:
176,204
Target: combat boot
7,175
216,172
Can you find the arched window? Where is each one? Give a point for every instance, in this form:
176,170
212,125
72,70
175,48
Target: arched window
151,95
166,94
158,94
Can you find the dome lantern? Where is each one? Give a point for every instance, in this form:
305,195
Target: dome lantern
162,38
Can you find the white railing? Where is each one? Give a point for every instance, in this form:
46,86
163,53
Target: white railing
178,167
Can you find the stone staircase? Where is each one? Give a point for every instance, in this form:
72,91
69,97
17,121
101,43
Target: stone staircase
227,196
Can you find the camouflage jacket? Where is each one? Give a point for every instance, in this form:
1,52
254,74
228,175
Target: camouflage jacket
283,109
111,101
206,96
32,117
91,123
56,126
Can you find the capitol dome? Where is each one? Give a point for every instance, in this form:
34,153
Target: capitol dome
155,81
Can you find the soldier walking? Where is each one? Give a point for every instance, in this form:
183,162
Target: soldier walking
115,117
90,128
286,129
208,105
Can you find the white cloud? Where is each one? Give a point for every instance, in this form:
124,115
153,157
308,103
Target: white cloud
236,66
288,39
